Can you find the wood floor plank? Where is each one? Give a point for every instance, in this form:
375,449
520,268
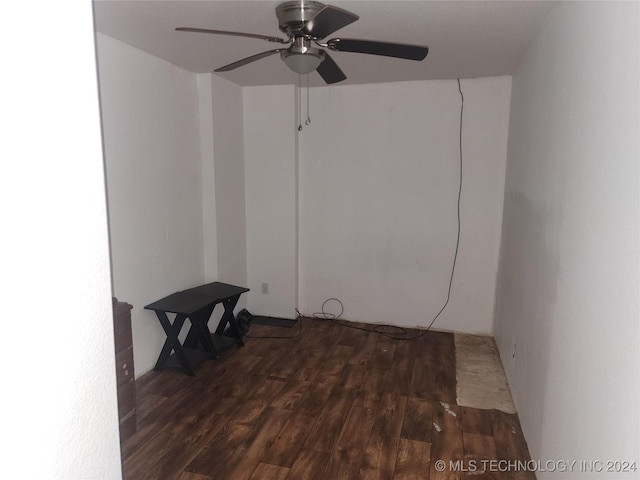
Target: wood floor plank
264,471
475,420
183,448
349,450
146,408
286,368
479,451
246,362
192,420
164,384
290,394
401,370
350,336
423,380
367,399
445,383
273,358
364,349
324,432
418,420
285,447
351,376
147,404
380,455
424,348
144,458
315,398
258,346
259,401
446,444
479,445
510,443
143,435
445,380
413,461
210,460
375,378
334,363
163,416
309,366
249,453
193,476
230,397
309,465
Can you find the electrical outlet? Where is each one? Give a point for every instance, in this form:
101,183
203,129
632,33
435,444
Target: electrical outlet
513,351
265,287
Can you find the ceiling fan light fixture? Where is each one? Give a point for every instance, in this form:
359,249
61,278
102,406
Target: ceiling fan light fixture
302,63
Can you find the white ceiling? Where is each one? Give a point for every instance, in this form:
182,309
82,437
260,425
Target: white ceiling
465,38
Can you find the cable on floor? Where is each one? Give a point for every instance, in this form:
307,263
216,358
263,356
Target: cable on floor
284,337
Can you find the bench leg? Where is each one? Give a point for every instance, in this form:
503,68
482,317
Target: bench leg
172,343
227,317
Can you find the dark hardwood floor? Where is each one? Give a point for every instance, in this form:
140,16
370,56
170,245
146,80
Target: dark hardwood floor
334,403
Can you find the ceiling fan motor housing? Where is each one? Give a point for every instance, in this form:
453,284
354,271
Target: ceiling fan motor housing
293,16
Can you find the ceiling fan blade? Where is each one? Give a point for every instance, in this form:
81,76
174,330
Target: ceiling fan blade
330,71
398,50
327,21
244,61
235,34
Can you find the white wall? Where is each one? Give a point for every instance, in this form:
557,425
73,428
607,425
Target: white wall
154,184
569,276
379,169
228,143
270,179
209,214
59,402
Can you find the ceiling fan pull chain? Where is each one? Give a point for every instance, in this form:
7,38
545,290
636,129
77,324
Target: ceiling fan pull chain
299,103
308,120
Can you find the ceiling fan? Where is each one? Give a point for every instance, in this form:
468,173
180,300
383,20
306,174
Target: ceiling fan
306,24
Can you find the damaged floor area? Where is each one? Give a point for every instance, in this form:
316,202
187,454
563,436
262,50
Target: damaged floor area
480,378
331,403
